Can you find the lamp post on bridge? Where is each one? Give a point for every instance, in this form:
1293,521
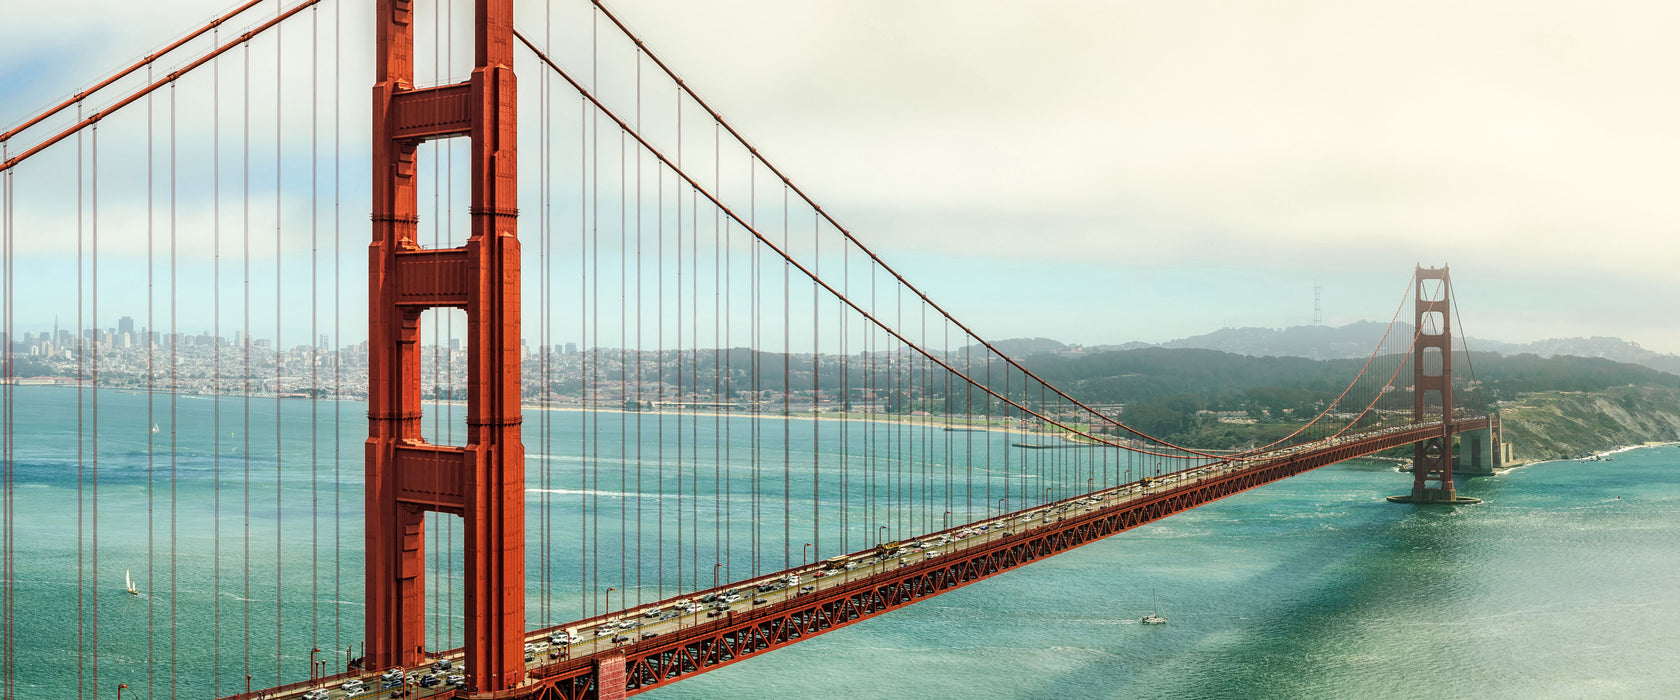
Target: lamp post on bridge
802,552
1000,506
715,569
312,653
879,532
947,520
609,600
122,686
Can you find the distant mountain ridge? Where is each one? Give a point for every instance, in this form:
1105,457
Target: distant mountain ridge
1354,340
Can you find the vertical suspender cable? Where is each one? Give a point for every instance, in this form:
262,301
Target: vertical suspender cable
174,397
727,397
719,528
7,676
638,317
81,352
592,387
586,600
216,369
337,348
93,206
545,281
545,96
872,428
694,380
8,668
586,597
314,333
623,374
676,355
245,343
904,501
279,513
816,394
787,390
842,329
693,314
659,358
151,419
755,336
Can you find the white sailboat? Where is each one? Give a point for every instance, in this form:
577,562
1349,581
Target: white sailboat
129,581
1154,618
154,428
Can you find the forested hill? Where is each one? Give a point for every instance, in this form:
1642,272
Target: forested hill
1164,388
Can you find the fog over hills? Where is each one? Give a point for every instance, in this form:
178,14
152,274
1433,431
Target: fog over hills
1355,340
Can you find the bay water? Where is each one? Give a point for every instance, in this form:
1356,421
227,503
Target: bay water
1565,582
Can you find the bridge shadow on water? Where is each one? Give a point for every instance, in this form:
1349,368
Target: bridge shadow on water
1277,592
1272,594
1310,622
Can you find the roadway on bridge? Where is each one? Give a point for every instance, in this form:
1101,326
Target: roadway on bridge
603,634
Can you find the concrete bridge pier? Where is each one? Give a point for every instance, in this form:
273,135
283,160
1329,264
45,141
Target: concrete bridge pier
1478,453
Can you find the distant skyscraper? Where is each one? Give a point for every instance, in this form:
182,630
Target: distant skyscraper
125,325
571,348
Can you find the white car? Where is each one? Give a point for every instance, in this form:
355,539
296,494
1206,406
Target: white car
316,694
353,685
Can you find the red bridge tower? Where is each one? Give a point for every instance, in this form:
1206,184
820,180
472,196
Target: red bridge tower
483,481
1432,459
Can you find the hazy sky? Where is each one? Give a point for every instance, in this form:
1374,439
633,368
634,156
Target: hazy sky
1099,172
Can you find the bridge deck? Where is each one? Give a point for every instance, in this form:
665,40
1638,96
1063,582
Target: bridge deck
653,651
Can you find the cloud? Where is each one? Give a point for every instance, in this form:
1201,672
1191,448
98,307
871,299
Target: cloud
1288,139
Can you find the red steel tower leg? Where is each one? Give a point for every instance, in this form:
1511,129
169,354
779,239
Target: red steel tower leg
483,481
1432,459
495,508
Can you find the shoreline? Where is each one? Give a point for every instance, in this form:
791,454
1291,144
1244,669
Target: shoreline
975,424
1594,457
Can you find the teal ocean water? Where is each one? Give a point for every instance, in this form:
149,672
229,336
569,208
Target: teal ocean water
1565,583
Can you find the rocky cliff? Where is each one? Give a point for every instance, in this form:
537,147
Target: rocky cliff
1563,425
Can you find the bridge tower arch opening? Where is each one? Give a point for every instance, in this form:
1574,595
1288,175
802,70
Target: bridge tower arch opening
1432,390
482,481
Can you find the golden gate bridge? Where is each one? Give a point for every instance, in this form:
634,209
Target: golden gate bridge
753,381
